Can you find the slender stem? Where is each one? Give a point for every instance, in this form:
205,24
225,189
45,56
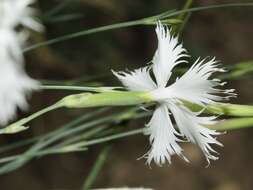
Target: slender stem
71,124
226,109
112,137
77,88
186,6
95,169
202,8
60,134
233,124
43,111
132,23
25,120
83,33
57,8
82,144
41,153
81,137
83,79
35,150
19,126
183,17
21,160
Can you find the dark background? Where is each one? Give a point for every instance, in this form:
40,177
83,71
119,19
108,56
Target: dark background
224,33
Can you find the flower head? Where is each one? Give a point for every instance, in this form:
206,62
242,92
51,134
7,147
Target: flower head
15,85
193,86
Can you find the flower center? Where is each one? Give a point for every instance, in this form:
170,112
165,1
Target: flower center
161,94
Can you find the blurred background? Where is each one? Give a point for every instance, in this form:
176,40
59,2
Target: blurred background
224,33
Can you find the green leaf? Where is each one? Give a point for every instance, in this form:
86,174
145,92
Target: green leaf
13,129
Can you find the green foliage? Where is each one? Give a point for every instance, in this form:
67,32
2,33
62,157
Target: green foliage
97,127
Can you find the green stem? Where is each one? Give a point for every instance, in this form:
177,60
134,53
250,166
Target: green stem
83,33
239,71
63,132
20,125
42,153
195,9
115,98
81,137
112,137
233,124
41,112
57,8
231,110
186,6
183,17
56,132
227,109
95,169
77,88
124,98
35,150
142,21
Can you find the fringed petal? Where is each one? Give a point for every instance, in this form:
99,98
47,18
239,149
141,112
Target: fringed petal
15,85
137,80
167,56
190,124
16,12
163,137
196,87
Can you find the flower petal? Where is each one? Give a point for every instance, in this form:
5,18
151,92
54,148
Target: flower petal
190,125
162,137
137,80
196,87
17,12
167,55
15,85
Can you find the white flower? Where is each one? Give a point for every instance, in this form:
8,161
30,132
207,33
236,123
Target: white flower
18,12
15,85
193,86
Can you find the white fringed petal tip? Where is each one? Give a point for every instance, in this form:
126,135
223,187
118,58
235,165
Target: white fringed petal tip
193,86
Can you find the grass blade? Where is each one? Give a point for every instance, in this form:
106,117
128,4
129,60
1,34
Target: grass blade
95,169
